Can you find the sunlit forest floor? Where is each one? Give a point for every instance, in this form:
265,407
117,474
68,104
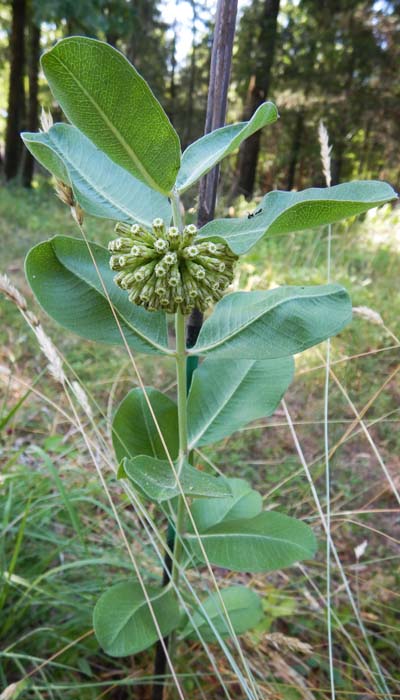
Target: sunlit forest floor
60,546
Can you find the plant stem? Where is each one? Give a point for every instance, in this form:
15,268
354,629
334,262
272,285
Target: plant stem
183,440
171,570
176,210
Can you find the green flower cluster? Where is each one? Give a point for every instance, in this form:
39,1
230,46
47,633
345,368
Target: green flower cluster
164,269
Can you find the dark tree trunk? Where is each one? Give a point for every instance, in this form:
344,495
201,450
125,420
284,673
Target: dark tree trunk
172,82
33,107
16,97
295,150
192,80
257,94
111,38
220,69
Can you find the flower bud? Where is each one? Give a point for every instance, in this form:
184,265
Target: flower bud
158,227
164,269
161,245
173,234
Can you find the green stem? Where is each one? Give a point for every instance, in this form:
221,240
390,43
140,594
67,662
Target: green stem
175,530
180,329
181,369
176,210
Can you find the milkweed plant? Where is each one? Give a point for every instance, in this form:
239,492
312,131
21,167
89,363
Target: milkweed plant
119,158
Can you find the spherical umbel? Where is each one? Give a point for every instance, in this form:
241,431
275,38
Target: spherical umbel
164,269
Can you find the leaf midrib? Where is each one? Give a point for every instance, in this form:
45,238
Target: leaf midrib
96,187
235,389
253,535
243,233
240,329
152,599
115,131
225,515
196,173
207,162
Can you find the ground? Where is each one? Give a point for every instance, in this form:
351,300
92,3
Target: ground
60,545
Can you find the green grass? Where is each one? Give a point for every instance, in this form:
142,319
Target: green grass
60,547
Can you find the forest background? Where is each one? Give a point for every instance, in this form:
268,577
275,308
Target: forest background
335,60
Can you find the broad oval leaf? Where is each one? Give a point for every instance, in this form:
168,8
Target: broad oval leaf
66,283
284,212
223,398
105,97
101,187
276,323
243,606
267,542
134,432
38,145
210,149
122,620
243,503
156,480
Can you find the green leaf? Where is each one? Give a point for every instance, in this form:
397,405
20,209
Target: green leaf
223,398
242,504
276,323
100,186
65,281
39,146
156,480
105,97
134,432
284,212
267,542
122,620
244,608
210,149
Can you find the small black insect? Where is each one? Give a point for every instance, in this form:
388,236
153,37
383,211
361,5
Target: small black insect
254,213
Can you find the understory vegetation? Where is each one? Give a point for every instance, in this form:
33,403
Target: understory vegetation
57,526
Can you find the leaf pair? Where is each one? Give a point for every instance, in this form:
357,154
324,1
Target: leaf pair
219,403
124,624
234,534
74,284
122,156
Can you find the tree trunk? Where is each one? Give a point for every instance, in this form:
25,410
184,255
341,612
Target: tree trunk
295,150
33,107
220,69
16,97
259,86
192,80
111,38
172,81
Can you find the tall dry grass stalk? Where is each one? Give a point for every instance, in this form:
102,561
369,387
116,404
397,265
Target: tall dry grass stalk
325,150
55,364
